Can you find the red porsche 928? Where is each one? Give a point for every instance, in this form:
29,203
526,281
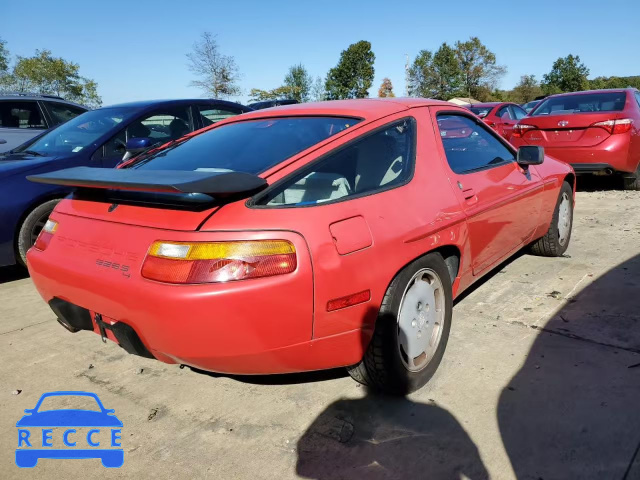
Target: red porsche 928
300,238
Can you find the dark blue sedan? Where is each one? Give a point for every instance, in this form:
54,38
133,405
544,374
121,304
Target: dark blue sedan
97,139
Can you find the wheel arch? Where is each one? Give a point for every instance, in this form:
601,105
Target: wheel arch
25,213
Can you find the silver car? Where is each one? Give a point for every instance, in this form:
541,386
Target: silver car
25,115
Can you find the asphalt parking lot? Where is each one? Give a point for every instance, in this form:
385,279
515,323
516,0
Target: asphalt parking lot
540,380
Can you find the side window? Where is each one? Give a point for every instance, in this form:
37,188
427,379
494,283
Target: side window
638,98
62,112
518,112
160,127
504,111
209,115
21,115
469,146
378,161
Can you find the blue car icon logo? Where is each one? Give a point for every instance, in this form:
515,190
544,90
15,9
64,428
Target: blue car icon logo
67,433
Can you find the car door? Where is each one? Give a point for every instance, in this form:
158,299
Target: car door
505,122
19,121
501,200
161,125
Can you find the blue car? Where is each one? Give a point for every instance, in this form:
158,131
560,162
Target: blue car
97,138
34,444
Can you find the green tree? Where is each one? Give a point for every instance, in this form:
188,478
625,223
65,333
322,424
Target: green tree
435,75
480,71
299,82
386,89
280,93
43,73
217,74
567,74
318,92
4,57
615,82
353,75
526,90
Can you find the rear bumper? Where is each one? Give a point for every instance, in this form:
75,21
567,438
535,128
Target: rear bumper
256,326
612,153
587,168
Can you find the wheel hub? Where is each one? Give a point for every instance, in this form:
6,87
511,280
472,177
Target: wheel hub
420,319
564,218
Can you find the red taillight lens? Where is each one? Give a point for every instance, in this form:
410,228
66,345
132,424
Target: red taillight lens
614,127
46,234
519,129
212,262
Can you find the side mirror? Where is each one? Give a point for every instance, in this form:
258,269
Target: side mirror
136,146
530,155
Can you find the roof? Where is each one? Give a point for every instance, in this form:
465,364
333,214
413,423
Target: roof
180,101
463,100
602,90
365,108
19,96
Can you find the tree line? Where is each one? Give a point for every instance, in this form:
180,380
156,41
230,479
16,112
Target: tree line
465,69
43,73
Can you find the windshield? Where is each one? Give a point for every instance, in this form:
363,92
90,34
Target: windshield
78,133
481,111
251,146
582,103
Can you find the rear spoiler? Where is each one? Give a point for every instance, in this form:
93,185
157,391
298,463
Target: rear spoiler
216,184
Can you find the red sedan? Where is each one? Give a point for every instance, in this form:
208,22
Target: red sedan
597,132
501,116
300,238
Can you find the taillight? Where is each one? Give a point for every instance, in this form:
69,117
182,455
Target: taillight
615,126
519,129
211,262
46,234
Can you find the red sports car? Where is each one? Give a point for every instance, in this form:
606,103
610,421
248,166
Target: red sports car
300,238
501,116
597,132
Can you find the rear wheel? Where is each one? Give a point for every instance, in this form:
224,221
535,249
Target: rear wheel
631,181
556,240
31,227
411,330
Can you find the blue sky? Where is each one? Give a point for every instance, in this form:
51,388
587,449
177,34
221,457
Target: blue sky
136,49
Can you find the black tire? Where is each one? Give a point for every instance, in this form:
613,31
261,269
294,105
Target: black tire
551,245
31,227
382,366
631,181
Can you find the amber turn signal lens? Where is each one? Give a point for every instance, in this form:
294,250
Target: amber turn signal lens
212,262
45,235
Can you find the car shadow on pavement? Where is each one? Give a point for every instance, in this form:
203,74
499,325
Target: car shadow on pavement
12,273
383,437
573,409
280,379
596,183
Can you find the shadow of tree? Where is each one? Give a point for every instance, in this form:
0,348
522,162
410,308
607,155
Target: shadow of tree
573,409
381,437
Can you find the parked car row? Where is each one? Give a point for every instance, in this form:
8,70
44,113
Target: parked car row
97,138
596,132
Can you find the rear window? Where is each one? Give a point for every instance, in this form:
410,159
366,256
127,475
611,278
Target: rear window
582,103
251,146
481,111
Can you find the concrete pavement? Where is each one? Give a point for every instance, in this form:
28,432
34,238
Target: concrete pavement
540,380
